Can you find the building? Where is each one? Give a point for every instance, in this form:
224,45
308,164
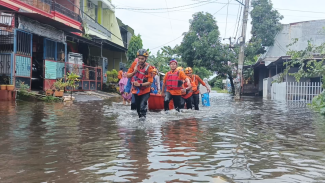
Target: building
42,40
271,64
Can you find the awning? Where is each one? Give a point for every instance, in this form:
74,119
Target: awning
111,46
49,21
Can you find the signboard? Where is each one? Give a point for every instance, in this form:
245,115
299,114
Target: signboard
40,29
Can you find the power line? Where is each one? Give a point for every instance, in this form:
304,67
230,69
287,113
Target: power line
222,7
176,7
227,20
174,10
169,17
238,20
153,9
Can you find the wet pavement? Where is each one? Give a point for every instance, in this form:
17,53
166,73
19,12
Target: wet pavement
253,140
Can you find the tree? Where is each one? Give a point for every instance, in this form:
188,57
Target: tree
265,21
201,46
202,72
134,46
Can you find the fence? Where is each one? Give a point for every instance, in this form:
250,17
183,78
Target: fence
90,77
296,91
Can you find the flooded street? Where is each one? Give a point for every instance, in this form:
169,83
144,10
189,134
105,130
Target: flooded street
102,141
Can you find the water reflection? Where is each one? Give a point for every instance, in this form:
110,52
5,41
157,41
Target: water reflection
249,141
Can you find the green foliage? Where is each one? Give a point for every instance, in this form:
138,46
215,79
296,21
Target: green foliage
60,85
219,78
219,83
318,103
51,99
201,46
308,66
134,45
112,76
72,78
265,21
161,60
23,88
202,72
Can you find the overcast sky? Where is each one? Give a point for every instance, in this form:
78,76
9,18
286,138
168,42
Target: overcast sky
159,28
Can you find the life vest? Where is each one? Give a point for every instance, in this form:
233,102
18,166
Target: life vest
140,75
173,82
188,93
194,87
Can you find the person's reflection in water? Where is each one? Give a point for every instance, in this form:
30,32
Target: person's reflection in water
136,143
181,133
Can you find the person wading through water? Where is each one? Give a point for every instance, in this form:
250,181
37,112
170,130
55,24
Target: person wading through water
173,81
196,93
187,96
141,80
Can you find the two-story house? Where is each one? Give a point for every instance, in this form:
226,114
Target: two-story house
42,40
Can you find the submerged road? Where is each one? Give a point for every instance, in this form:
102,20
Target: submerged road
254,140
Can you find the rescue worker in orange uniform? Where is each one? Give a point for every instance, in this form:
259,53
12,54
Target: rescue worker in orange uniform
173,81
196,80
187,96
141,79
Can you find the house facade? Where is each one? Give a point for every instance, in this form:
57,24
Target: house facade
272,63
43,40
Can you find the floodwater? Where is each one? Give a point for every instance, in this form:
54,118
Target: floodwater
254,140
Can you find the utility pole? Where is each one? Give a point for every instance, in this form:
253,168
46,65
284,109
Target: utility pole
241,52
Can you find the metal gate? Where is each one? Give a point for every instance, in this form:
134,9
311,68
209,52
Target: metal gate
23,57
296,91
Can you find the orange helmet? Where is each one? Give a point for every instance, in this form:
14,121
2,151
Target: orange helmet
179,69
188,70
154,70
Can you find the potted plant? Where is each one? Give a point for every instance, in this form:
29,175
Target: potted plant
59,86
10,86
3,86
72,78
112,80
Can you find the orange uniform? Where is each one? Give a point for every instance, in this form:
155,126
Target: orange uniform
197,79
120,74
182,76
148,76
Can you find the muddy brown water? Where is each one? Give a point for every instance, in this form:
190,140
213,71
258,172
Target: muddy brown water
254,140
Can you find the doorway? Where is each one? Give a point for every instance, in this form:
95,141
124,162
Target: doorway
38,63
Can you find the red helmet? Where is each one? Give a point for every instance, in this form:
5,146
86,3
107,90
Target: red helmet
173,60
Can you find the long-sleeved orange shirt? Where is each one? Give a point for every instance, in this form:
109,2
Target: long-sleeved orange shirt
182,76
149,76
197,79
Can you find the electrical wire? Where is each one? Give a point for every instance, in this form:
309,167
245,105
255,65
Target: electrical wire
238,20
222,7
169,17
153,9
227,19
175,10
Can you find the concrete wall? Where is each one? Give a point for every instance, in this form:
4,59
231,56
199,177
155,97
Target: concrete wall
304,31
114,58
